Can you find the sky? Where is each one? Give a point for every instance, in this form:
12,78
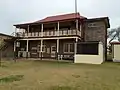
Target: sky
20,11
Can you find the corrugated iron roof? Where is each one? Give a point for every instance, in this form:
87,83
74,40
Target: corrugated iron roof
57,18
61,17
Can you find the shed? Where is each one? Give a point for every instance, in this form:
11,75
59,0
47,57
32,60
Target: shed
115,51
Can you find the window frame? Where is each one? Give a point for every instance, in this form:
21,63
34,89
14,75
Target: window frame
53,51
68,48
93,24
88,49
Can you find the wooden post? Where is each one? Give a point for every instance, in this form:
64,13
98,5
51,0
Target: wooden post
27,48
75,47
57,49
58,41
28,30
80,31
42,28
41,48
76,25
58,28
14,46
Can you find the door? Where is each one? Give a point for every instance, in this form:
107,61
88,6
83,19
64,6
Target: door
53,51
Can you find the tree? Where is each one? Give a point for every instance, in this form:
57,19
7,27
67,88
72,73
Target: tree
114,34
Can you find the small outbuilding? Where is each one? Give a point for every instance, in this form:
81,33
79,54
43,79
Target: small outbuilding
115,51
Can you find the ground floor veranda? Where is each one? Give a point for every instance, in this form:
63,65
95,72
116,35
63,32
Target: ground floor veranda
46,49
60,49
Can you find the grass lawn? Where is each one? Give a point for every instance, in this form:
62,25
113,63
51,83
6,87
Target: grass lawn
43,75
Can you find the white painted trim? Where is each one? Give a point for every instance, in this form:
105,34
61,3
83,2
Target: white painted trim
75,47
58,28
27,46
76,24
41,45
52,49
28,28
50,38
53,52
42,29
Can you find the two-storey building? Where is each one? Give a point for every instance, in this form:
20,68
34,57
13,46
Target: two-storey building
58,35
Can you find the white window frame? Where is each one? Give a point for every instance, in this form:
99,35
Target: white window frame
52,51
67,47
52,48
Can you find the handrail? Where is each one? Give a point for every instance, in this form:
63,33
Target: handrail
49,33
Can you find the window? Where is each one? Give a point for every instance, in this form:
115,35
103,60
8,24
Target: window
53,49
87,48
71,48
92,25
68,47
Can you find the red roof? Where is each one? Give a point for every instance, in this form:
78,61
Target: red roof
115,43
58,18
61,17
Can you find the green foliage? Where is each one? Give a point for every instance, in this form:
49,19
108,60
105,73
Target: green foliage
11,78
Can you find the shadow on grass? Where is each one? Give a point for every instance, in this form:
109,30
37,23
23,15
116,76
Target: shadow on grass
11,78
